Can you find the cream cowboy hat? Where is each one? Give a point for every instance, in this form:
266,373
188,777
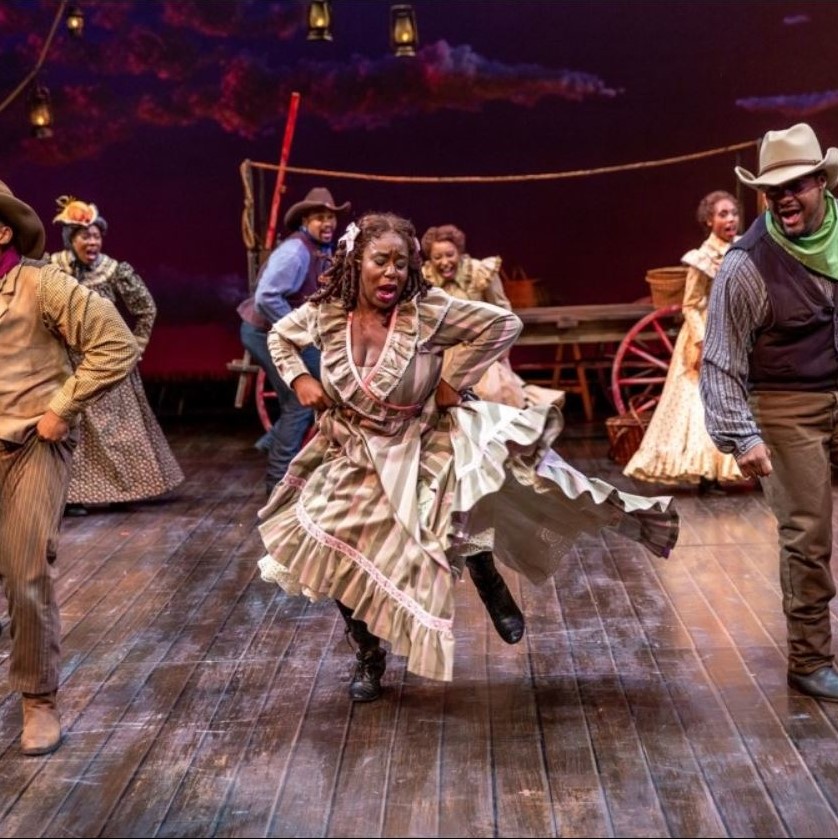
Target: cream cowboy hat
29,235
318,198
789,154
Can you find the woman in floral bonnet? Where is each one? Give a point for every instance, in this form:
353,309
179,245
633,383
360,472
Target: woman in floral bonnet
122,454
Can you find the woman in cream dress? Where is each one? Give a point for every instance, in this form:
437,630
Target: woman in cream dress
449,267
676,448
403,480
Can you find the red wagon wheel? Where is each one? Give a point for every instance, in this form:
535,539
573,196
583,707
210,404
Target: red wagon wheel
642,360
266,401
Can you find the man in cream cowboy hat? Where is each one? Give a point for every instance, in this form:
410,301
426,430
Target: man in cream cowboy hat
43,313
769,378
287,279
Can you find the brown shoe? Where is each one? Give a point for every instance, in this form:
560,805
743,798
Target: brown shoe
41,724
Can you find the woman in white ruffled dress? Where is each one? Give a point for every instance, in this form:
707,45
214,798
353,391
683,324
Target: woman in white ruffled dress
676,448
403,480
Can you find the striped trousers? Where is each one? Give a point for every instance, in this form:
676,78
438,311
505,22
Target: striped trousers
33,487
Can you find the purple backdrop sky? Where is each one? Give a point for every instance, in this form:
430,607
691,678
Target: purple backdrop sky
158,104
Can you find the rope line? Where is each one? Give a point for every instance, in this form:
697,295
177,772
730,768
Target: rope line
539,176
248,233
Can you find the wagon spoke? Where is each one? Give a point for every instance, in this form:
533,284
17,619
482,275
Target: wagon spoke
642,360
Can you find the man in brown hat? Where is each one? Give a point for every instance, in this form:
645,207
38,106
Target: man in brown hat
289,276
43,313
769,378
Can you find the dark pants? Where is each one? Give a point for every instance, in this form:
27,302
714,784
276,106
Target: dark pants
290,429
801,431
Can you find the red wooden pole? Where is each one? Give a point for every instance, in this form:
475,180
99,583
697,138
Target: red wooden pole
290,122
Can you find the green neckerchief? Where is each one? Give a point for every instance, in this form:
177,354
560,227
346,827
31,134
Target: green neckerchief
819,251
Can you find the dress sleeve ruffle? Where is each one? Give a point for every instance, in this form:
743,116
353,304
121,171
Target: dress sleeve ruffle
484,271
707,257
431,312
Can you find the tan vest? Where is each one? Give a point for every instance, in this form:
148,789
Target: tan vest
33,360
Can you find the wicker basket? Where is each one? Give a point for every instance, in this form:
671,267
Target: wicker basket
523,291
667,285
625,433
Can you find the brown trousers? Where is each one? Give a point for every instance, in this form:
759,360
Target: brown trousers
33,487
801,431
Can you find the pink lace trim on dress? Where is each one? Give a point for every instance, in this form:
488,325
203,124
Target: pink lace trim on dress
316,532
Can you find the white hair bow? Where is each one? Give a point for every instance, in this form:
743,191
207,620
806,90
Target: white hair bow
349,237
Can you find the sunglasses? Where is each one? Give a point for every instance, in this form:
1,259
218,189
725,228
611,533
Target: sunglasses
796,187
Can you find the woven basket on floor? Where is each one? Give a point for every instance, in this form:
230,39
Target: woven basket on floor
625,433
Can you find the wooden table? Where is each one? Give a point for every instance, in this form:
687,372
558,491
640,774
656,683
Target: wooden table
567,328
608,322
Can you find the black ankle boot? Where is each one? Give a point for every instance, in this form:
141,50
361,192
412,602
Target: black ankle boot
501,606
366,680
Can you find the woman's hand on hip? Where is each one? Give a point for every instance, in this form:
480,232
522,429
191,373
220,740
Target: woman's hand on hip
310,393
446,396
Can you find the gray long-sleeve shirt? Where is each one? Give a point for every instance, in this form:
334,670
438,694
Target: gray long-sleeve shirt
738,307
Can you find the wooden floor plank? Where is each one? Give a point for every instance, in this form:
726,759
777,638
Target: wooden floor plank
414,783
467,806
304,808
522,790
295,641
579,803
685,799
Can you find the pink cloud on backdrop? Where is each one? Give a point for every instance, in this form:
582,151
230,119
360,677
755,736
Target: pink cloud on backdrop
223,62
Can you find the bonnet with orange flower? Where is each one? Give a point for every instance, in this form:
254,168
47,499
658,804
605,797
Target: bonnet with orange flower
73,213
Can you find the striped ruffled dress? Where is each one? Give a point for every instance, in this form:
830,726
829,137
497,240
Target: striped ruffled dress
381,507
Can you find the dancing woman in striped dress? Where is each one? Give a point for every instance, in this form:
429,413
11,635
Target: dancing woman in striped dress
405,481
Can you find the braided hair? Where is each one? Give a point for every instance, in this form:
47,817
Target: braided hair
343,279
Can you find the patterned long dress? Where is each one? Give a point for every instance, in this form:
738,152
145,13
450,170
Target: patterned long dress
389,496
122,453
479,279
676,448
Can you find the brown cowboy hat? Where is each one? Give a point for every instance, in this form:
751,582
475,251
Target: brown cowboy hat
789,154
29,235
318,198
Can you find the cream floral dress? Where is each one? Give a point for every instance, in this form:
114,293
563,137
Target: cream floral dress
479,279
380,508
676,448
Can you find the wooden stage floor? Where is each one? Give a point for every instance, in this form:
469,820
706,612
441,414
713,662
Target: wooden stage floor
648,697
